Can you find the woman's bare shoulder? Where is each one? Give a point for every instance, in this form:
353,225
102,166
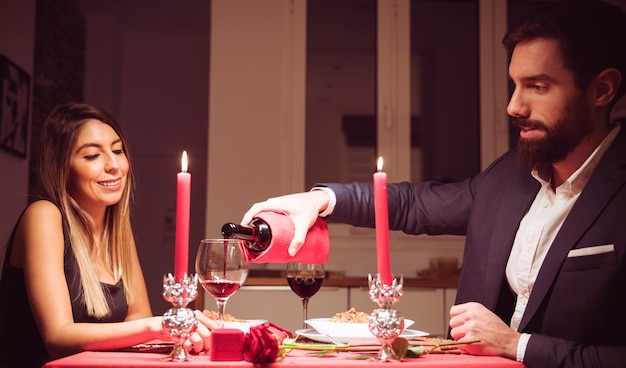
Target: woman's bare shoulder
43,207
41,223
42,212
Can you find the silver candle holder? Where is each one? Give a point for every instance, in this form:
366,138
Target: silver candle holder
179,322
386,323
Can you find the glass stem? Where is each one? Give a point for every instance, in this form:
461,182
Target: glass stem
221,306
305,306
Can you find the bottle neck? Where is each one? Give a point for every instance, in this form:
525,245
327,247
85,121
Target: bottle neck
235,231
257,237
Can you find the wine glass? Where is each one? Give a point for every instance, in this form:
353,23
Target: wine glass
305,279
222,267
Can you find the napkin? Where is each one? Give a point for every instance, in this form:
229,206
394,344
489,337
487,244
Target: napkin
316,248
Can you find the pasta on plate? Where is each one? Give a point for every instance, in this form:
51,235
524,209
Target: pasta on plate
350,316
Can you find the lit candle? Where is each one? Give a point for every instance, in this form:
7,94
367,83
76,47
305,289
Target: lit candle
382,223
183,194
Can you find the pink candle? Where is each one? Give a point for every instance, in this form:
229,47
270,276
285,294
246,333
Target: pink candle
183,194
382,223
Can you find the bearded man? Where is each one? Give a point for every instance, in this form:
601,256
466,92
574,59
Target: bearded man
544,264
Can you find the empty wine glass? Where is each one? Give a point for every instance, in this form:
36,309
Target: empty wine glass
305,279
222,267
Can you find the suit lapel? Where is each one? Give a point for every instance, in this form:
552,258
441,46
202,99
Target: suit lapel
608,177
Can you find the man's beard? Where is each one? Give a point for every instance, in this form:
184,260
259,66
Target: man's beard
560,139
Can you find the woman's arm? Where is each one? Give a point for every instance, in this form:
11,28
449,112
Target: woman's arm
39,249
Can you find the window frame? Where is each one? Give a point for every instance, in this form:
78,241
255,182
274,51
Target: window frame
394,110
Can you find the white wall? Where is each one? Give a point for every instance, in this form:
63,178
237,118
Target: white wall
256,131
17,42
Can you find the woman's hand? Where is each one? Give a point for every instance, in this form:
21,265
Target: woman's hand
302,208
200,340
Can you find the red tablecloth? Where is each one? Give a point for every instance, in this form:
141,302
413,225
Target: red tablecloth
295,358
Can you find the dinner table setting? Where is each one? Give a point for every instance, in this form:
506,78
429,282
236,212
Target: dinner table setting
347,339
253,343
350,338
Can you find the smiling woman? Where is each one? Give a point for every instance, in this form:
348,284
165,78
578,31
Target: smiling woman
71,261
98,165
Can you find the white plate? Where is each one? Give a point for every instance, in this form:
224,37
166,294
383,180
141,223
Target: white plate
344,329
316,336
244,326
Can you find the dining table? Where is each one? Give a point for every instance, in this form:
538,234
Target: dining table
298,358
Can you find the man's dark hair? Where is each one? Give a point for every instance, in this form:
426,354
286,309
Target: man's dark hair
591,35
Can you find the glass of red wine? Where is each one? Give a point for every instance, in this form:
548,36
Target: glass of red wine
222,267
305,279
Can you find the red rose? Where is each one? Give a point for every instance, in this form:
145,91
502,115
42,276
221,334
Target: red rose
260,345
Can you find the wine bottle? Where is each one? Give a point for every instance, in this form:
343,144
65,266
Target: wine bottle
258,235
268,238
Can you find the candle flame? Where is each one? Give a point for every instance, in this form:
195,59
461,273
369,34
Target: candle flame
183,162
379,165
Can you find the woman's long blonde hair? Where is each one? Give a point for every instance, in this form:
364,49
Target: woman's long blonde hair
58,135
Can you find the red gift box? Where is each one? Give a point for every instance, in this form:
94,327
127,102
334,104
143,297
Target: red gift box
226,344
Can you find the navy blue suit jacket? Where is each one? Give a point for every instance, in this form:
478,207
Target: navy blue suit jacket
577,310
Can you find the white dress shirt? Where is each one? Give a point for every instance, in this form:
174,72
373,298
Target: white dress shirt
540,226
